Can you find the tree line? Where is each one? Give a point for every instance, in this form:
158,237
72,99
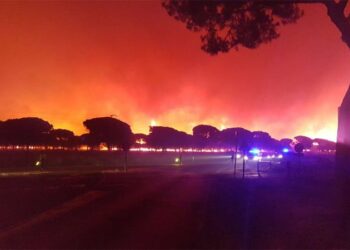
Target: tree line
111,132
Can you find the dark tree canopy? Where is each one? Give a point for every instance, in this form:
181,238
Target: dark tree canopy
286,142
306,141
205,136
299,148
62,134
264,140
140,138
205,131
325,144
109,130
62,137
88,139
230,24
33,131
240,137
165,137
25,131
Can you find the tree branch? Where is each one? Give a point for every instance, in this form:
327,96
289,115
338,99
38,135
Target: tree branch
342,4
336,12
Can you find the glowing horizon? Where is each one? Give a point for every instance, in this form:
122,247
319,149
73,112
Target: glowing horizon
323,134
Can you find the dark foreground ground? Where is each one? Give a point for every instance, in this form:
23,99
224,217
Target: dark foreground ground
172,209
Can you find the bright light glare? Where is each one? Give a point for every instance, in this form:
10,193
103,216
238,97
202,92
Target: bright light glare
141,141
238,156
245,157
153,123
280,156
103,148
254,151
285,150
177,160
37,163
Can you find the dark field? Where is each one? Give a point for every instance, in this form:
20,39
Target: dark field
319,164
199,205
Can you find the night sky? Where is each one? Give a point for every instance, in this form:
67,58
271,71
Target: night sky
66,62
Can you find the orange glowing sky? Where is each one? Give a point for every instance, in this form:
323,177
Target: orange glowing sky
68,61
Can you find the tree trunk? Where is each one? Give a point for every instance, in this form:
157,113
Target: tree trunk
336,13
125,160
235,164
243,174
335,10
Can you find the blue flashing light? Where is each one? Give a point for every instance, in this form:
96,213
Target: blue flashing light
254,151
285,150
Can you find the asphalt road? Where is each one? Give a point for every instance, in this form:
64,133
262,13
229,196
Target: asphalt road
169,210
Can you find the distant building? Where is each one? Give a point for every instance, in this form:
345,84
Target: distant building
343,138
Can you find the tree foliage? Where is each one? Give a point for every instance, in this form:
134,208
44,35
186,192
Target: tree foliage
237,137
31,131
205,136
286,142
225,25
165,137
264,140
109,130
63,138
229,24
306,141
25,131
325,144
